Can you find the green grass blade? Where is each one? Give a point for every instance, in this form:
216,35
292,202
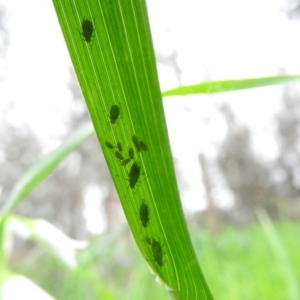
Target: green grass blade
36,174
277,249
110,45
44,167
210,87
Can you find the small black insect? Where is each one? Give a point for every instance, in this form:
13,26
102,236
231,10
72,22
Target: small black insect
144,214
109,145
157,252
119,146
126,161
136,143
148,240
119,155
88,29
143,146
134,175
131,153
114,113
139,145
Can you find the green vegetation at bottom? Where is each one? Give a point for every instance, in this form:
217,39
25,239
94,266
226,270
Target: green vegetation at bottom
238,264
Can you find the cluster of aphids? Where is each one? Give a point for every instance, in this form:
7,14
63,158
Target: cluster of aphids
154,243
87,32
129,156
126,157
156,250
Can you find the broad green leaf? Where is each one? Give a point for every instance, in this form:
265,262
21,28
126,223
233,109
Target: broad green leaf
210,87
110,45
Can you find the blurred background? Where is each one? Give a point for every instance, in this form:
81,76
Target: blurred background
237,154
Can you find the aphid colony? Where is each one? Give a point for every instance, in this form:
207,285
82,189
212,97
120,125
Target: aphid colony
134,173
124,158
154,243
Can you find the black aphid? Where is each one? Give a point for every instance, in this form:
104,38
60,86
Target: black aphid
88,29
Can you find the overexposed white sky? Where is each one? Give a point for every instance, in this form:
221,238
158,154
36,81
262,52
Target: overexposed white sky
214,39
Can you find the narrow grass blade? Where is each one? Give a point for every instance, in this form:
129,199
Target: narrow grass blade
110,45
36,174
279,254
44,167
210,87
